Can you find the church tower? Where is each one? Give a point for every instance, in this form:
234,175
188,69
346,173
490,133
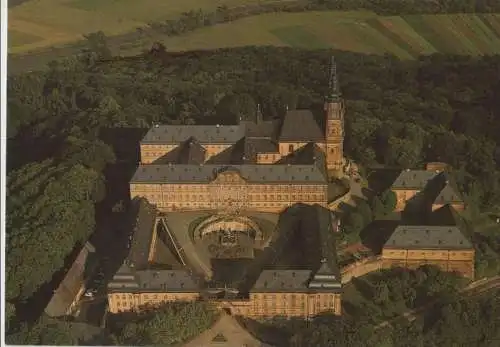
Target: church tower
334,112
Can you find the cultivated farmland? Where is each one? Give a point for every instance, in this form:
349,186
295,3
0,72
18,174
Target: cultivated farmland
57,22
35,32
405,37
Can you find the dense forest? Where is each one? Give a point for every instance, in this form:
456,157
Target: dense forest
74,126
465,321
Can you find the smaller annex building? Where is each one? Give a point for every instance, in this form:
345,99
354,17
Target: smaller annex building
427,189
440,242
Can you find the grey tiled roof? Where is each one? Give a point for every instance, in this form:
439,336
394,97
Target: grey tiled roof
300,125
205,134
192,152
261,145
428,237
448,195
170,280
255,145
226,332
310,154
325,278
187,152
264,129
124,279
282,280
68,288
206,173
142,233
328,246
445,215
413,179
155,280
230,156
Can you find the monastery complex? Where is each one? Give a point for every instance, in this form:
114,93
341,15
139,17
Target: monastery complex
220,207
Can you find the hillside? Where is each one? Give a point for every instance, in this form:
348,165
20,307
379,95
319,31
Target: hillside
42,37
360,31
35,24
363,32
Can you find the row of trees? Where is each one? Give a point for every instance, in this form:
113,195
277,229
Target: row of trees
386,294
462,321
168,325
56,167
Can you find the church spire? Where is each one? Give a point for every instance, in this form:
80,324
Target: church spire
333,88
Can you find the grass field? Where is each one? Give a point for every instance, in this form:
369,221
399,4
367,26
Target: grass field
37,26
405,37
57,22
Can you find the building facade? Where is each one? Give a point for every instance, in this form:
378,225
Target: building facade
444,246
289,293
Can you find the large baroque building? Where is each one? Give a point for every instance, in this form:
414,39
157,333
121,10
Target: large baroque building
238,215
222,209
261,165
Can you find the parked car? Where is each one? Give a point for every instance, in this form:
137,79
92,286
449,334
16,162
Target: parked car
90,292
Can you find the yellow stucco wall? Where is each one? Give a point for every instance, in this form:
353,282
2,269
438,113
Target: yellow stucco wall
448,260
256,197
257,305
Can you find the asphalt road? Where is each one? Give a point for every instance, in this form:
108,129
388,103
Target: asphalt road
92,311
110,242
